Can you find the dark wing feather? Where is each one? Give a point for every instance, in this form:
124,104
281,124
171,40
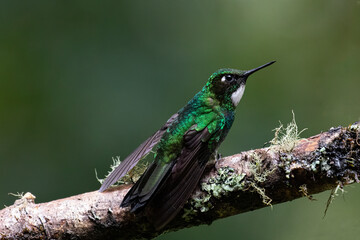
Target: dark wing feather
185,175
139,195
139,153
132,195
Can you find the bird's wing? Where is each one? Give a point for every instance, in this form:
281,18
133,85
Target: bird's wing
139,153
177,187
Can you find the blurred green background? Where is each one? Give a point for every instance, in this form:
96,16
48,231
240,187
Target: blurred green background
82,82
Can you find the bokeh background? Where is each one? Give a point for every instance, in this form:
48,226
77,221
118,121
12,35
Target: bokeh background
83,81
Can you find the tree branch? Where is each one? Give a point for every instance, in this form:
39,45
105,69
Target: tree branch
235,184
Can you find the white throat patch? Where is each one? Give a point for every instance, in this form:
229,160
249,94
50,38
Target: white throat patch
237,95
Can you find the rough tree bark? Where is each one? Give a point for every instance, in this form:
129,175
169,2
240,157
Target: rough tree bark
235,184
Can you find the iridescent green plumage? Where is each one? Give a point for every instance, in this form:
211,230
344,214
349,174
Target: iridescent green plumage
185,144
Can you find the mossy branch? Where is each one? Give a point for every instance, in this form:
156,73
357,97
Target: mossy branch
235,184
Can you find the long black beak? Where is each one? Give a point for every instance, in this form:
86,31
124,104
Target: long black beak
249,72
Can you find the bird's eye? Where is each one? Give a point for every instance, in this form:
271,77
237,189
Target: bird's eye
227,78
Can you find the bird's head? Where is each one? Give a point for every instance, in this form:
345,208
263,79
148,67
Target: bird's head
228,85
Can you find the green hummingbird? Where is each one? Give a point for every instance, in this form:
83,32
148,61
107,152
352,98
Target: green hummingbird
184,145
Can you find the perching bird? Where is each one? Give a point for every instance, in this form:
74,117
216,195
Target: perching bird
184,145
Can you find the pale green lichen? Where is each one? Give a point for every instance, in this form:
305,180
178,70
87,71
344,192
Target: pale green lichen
322,161
261,191
333,194
256,168
198,204
322,150
304,190
18,195
113,166
131,177
285,139
314,165
286,160
259,176
225,182
324,165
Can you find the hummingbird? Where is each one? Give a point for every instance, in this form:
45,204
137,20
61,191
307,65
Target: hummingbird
184,145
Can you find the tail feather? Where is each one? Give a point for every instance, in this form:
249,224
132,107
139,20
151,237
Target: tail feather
169,201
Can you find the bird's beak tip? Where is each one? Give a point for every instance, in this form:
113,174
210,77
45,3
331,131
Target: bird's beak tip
249,72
